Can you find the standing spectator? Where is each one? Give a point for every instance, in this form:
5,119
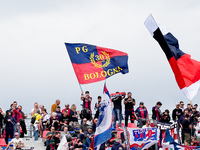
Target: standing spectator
94,126
36,124
1,120
58,112
10,123
83,128
142,114
156,113
41,107
16,113
165,117
53,107
177,113
35,109
129,103
54,122
22,122
89,134
182,106
16,142
97,107
64,120
86,100
189,108
44,121
195,106
117,110
66,108
180,122
186,127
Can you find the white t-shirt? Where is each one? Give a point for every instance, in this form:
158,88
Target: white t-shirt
34,108
16,142
45,118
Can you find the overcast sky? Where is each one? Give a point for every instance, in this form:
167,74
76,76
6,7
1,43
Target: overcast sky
35,65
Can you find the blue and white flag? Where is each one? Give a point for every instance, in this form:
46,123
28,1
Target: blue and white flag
104,125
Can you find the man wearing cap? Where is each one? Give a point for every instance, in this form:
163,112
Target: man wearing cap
142,114
16,142
58,113
88,135
67,109
129,103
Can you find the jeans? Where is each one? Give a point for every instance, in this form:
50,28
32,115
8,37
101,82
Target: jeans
117,114
16,129
35,134
87,142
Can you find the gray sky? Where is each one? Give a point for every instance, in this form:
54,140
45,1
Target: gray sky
35,65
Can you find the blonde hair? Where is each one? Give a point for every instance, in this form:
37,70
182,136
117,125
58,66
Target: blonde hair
73,107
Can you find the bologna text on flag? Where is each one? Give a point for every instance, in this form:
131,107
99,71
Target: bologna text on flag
142,138
104,126
186,70
92,63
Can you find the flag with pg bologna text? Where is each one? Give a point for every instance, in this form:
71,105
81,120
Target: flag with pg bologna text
92,63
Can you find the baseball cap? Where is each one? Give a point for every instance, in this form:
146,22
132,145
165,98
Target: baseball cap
89,127
141,103
58,107
129,93
177,103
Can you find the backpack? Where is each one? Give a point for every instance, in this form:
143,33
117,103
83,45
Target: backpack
33,118
85,113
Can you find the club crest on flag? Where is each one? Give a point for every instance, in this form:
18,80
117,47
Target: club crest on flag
92,63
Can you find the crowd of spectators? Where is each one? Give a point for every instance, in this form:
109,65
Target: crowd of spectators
65,123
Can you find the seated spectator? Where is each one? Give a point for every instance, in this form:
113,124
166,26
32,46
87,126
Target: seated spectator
142,114
54,122
9,122
73,113
49,136
148,124
83,128
194,142
117,145
1,119
156,113
88,136
58,113
165,117
94,124
66,109
56,139
79,145
44,121
66,134
64,120
16,142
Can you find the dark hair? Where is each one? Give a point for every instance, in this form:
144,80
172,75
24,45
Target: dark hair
57,132
98,97
159,103
181,102
14,102
44,109
167,111
87,92
187,116
196,115
188,104
196,105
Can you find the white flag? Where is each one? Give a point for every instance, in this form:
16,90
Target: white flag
63,144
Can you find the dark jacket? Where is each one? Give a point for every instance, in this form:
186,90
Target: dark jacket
116,146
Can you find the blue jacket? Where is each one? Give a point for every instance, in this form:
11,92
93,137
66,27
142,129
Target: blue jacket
116,146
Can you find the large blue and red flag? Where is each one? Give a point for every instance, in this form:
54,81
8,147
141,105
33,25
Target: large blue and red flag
186,70
104,126
92,63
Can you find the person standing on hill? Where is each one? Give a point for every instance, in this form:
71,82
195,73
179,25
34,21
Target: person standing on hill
129,103
53,107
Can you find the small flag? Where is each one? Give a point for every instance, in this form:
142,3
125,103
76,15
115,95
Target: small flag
92,63
63,144
186,70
